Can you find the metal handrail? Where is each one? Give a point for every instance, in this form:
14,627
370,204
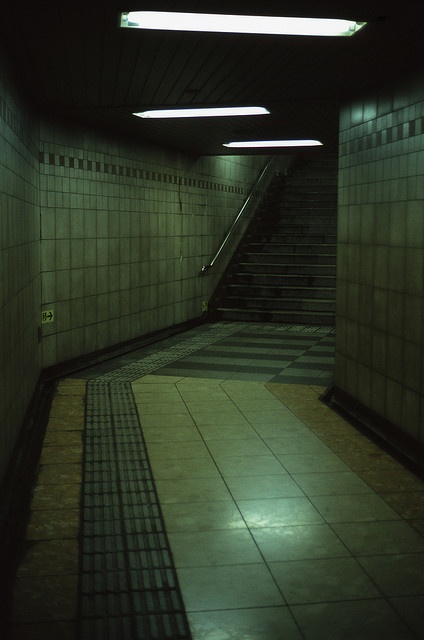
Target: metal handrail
208,267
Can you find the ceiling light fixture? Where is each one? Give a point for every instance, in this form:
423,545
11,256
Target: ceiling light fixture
203,112
220,23
273,143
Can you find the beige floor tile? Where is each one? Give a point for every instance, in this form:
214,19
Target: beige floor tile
256,487
366,507
202,516
248,465
239,447
45,598
61,455
297,444
68,473
277,512
322,580
67,406
56,524
66,423
192,490
226,418
322,484
73,386
286,429
312,463
346,443
392,480
219,431
56,438
264,416
356,620
142,387
369,460
389,537
144,393
216,406
268,623
171,434
56,496
410,609
396,575
168,420
256,406
234,587
177,450
300,542
52,557
212,548
409,505
159,407
176,468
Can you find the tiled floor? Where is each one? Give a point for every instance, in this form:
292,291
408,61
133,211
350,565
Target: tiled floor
284,521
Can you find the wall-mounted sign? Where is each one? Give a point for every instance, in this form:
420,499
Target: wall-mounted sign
47,316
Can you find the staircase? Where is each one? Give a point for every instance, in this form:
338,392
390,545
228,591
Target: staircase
285,267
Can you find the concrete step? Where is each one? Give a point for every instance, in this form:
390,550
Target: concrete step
300,225
283,317
285,248
276,219
292,281
287,269
289,258
294,238
290,304
241,290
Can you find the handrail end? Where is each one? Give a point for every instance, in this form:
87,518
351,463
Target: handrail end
206,268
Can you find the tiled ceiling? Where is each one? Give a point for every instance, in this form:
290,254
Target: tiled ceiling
77,64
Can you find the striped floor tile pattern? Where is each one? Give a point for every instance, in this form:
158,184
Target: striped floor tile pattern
263,353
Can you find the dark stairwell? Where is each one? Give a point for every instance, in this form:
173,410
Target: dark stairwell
284,270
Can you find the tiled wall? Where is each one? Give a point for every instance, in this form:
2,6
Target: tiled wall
380,286
125,233
20,354
109,237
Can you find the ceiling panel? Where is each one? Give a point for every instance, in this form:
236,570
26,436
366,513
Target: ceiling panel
76,63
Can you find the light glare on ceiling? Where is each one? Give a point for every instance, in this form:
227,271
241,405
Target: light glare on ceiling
202,112
221,23
272,143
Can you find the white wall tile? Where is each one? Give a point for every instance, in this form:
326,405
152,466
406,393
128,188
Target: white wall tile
390,248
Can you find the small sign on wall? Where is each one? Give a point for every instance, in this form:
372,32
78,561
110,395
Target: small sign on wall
47,316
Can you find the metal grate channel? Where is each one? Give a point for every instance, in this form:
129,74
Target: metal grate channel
128,584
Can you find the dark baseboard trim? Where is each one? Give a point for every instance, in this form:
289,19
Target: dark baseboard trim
408,450
16,491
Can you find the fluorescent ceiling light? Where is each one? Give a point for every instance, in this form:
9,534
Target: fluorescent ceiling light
203,112
273,143
219,23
